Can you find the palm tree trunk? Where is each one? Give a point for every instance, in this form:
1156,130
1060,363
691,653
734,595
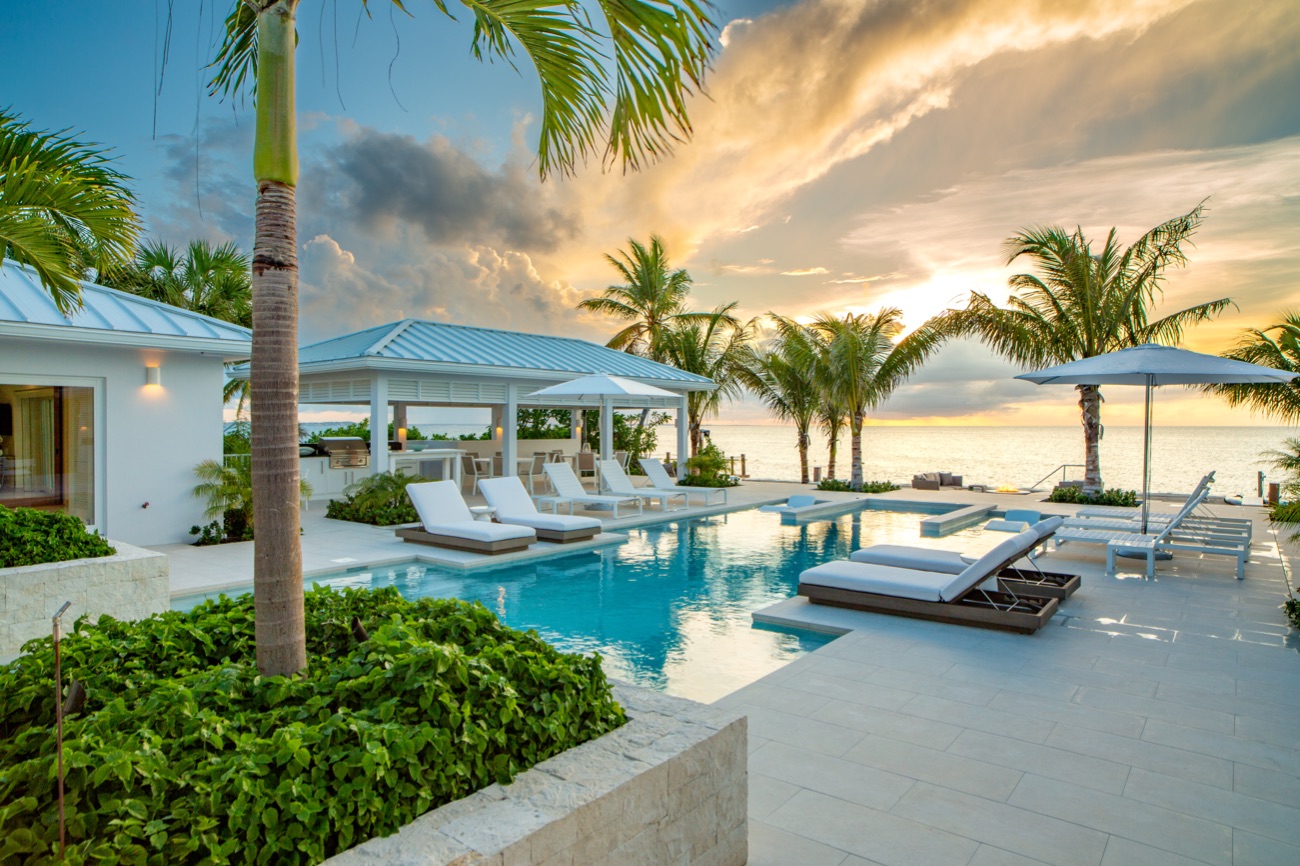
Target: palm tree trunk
855,450
1090,411
277,558
803,455
833,447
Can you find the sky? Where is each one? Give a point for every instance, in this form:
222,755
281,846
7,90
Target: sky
848,155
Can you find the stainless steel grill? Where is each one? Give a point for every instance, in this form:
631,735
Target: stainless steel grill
346,452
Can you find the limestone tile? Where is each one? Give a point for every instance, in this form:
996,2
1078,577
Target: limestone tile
826,686
864,785
987,855
1261,817
1251,850
820,736
1279,734
1226,746
1166,829
897,726
1030,706
882,837
1194,766
851,658
772,846
1228,702
1157,708
1281,788
731,849
990,719
787,698
1018,681
937,767
948,687
1126,852
1053,763
1004,826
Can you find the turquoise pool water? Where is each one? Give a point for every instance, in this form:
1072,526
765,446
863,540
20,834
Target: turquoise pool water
670,607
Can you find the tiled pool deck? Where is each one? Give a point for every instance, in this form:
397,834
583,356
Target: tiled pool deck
1151,723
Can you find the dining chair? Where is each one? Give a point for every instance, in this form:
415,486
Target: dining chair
533,470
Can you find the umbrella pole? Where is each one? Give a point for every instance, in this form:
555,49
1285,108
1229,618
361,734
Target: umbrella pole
1146,457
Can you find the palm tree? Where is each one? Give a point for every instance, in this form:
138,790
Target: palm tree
651,297
784,382
63,208
862,362
207,279
1082,305
1276,346
715,346
656,54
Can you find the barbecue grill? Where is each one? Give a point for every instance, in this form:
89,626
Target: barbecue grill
346,452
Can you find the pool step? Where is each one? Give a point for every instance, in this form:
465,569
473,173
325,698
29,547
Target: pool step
951,521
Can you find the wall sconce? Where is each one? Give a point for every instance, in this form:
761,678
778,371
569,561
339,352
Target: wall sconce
153,375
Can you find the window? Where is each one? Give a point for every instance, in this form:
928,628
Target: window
47,453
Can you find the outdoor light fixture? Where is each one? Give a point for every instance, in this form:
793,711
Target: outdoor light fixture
401,434
500,432
153,375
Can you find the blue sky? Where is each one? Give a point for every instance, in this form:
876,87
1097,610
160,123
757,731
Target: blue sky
852,154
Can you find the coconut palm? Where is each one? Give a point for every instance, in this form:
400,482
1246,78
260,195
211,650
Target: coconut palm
208,279
861,362
784,382
651,296
63,207
620,91
714,346
1082,304
1276,346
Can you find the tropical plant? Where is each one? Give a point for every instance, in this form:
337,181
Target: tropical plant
784,381
651,298
32,537
709,468
361,430
838,486
1082,304
714,346
379,499
63,208
228,489
862,361
1276,346
1113,496
656,54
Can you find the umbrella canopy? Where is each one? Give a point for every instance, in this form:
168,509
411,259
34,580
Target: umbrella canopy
602,386
1152,365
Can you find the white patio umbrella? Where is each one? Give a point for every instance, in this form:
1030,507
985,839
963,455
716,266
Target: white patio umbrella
1152,365
605,388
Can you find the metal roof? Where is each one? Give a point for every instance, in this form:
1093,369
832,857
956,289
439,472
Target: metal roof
483,350
109,316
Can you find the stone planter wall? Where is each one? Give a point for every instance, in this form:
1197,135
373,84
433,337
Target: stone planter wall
131,584
669,788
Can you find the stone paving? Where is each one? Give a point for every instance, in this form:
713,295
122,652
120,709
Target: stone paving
1152,722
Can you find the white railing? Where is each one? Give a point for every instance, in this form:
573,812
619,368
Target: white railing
1061,469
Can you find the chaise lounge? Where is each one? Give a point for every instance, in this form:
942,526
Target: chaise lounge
932,595
659,478
569,489
446,521
513,507
615,481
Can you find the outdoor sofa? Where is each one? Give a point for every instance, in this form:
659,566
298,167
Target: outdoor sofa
935,481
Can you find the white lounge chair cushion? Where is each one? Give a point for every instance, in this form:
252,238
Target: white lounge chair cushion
1047,526
480,530
514,506
1003,554
553,522
438,502
998,524
919,558
878,579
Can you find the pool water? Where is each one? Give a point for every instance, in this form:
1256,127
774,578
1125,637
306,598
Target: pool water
669,608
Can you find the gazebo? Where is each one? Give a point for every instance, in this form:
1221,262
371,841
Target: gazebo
414,362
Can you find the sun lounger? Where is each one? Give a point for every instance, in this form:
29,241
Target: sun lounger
1184,520
1168,539
660,478
1201,487
513,507
934,595
446,521
1027,577
569,490
615,481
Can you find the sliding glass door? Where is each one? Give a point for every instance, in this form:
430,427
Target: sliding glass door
47,439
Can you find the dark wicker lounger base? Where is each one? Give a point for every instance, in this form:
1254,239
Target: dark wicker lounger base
566,536
419,536
1038,584
1026,614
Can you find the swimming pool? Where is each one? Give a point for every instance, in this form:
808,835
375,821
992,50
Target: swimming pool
670,607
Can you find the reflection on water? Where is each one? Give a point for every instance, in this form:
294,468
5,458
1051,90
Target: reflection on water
669,608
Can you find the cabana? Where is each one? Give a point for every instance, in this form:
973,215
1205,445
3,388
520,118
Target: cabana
393,367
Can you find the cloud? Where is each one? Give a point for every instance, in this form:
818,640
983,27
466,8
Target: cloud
805,272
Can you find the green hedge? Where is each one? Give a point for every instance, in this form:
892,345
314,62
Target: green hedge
184,754
840,486
378,499
31,537
1113,496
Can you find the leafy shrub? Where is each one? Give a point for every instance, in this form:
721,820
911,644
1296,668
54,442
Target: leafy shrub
361,430
378,499
228,488
841,486
1292,608
184,754
709,468
31,537
1112,496
692,480
1287,514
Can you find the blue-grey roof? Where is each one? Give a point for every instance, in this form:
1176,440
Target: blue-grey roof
437,342
107,315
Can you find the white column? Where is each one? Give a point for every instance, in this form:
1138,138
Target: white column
606,429
683,436
379,424
510,432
